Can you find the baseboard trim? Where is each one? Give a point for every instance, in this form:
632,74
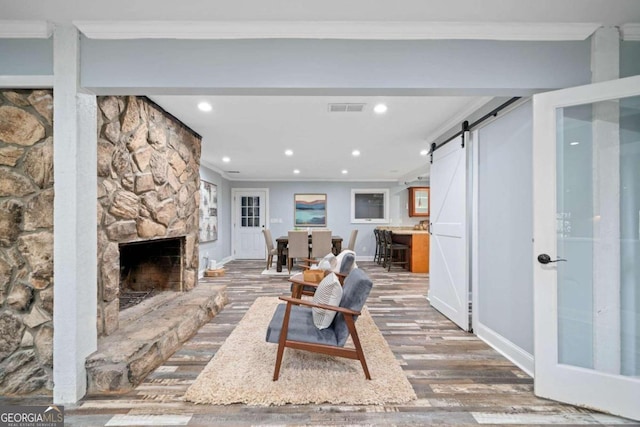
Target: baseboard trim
515,354
218,264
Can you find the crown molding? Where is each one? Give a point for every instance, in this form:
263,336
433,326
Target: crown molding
630,32
456,120
25,29
371,30
214,168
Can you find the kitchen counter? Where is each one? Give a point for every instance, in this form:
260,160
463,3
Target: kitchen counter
418,242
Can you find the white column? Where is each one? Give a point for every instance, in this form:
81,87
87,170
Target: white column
74,221
605,65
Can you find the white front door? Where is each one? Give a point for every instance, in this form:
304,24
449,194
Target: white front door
586,152
250,213
449,253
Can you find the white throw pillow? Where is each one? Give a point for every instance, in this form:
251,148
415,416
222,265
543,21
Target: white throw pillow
329,292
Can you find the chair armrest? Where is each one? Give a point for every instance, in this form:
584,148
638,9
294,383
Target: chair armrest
325,306
308,261
301,281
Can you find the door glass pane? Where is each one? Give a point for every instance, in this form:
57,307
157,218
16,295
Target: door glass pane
598,219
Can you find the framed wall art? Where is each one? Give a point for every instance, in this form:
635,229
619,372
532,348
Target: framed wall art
208,211
310,210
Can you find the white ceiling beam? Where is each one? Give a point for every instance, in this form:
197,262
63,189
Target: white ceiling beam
26,82
630,32
372,30
10,29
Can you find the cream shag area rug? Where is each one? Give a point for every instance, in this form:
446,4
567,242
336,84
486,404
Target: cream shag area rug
242,369
274,272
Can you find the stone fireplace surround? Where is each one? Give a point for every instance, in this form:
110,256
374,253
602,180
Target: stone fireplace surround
148,189
147,164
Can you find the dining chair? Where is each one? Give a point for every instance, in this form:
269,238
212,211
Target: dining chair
298,246
271,250
352,240
320,243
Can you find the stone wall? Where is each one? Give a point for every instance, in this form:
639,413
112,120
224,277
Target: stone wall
26,241
148,188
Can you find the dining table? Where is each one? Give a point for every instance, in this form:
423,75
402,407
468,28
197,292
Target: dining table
283,241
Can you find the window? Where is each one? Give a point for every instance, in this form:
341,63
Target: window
250,215
370,205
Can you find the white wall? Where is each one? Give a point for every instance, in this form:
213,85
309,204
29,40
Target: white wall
338,207
504,287
26,57
629,58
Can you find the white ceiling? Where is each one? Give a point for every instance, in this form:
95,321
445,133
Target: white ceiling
255,131
607,12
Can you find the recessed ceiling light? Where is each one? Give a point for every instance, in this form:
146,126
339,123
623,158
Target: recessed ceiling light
288,152
424,152
205,106
344,171
380,109
355,153
574,143
296,171
226,159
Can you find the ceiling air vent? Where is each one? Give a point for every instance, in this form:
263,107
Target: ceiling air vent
232,171
346,108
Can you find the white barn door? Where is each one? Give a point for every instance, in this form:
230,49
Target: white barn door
449,252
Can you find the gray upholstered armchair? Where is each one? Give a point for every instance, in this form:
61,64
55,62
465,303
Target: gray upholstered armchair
292,324
342,265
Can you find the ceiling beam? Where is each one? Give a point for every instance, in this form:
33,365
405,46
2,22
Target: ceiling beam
371,30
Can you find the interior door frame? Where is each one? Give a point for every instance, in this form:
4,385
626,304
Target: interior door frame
234,214
555,381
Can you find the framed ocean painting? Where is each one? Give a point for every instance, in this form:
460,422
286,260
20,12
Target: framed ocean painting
310,210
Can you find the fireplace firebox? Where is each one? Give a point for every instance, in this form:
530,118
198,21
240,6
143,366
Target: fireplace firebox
148,268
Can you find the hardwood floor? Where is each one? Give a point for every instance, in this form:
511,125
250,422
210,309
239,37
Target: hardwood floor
459,380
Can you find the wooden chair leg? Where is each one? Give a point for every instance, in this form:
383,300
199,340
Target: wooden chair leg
356,342
269,261
282,341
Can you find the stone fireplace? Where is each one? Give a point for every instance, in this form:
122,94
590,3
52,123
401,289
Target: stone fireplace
148,268
148,193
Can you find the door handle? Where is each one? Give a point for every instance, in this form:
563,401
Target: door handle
546,259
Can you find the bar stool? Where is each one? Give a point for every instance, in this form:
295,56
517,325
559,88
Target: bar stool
395,253
377,257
